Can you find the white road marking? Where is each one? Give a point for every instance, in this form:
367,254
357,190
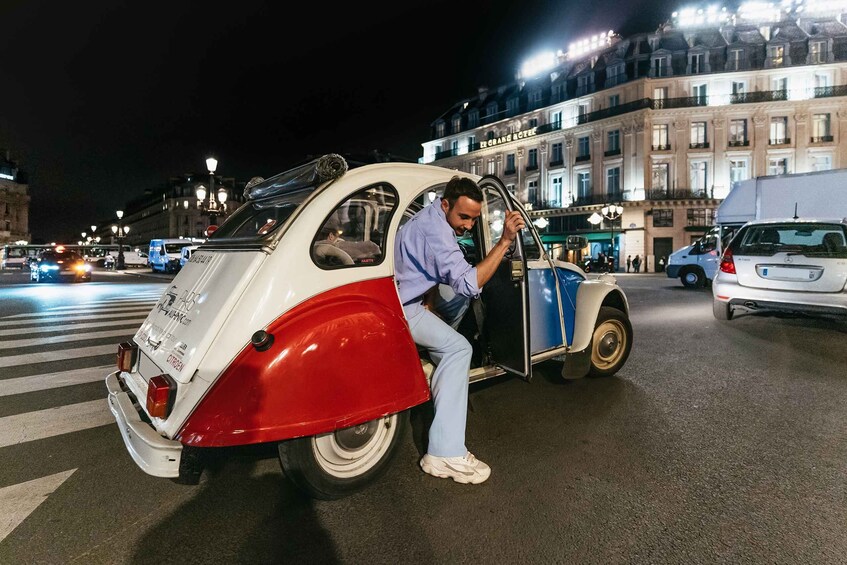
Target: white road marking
20,500
53,314
60,355
67,318
105,306
47,381
41,424
28,342
61,328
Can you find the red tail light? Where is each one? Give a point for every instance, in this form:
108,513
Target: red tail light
727,264
127,356
161,392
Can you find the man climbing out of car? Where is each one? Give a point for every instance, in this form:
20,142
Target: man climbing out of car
426,254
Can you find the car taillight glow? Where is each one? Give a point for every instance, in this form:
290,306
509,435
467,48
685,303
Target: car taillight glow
161,391
727,263
127,356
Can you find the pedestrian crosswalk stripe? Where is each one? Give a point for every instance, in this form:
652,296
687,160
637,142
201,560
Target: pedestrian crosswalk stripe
20,500
59,355
68,337
81,310
22,322
32,426
89,307
65,327
47,381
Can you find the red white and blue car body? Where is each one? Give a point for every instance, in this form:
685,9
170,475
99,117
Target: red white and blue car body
264,336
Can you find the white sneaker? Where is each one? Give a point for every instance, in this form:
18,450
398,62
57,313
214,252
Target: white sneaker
466,470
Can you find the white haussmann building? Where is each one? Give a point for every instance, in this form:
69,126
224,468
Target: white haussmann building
659,123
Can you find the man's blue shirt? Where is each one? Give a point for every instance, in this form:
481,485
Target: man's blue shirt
426,253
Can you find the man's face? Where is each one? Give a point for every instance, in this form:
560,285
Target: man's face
463,214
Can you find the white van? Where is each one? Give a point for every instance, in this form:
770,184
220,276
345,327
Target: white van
165,254
185,256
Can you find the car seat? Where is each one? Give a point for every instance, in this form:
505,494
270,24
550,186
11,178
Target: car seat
769,236
833,242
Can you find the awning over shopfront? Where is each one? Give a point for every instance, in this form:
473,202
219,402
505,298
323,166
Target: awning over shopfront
591,236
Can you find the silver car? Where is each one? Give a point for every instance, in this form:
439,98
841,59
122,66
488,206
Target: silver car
790,266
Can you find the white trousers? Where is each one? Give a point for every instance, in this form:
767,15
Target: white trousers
451,353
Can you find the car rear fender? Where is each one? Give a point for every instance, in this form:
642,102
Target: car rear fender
341,358
593,294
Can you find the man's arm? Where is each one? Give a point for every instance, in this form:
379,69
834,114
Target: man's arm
486,268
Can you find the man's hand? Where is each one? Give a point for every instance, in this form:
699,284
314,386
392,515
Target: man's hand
513,224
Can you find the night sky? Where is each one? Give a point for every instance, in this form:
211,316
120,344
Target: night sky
101,100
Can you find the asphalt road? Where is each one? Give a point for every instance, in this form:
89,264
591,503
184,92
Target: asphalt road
717,443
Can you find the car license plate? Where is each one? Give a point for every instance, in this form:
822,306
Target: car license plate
794,273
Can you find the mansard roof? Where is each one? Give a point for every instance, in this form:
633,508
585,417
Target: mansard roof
673,41
709,39
824,28
787,31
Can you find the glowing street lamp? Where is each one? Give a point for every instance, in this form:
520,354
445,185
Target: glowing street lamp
120,232
212,207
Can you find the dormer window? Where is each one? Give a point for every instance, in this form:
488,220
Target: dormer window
585,84
733,59
513,106
440,128
535,99
776,54
457,124
660,66
491,111
817,52
696,63
473,119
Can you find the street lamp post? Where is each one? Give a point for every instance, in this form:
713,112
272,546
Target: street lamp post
213,207
120,232
612,213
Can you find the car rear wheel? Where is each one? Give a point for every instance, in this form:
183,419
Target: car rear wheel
722,310
692,278
610,343
334,465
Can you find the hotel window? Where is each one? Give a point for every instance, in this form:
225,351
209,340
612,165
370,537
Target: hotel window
613,181
512,106
556,119
583,109
583,184
817,52
536,99
661,66
696,61
821,162
490,135
660,93
698,135
457,124
821,80
613,142
556,154
473,118
454,146
471,142
780,84
699,93
738,170
660,176
585,84
491,111
556,93
532,159
510,163
614,100
739,88
820,128
737,133
439,129
733,62
776,52
583,147
779,130
701,216
533,122
473,168
532,192
556,192
492,167
615,75
660,137
662,218
699,176
778,166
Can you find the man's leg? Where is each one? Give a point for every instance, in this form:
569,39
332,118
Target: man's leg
451,354
449,305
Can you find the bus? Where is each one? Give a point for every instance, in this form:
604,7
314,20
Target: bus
16,256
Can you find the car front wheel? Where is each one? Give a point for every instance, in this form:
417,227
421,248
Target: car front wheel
334,465
692,278
610,343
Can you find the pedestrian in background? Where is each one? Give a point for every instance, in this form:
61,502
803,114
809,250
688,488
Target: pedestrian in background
661,264
636,264
628,263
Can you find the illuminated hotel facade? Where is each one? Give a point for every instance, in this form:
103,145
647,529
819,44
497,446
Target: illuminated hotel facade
660,123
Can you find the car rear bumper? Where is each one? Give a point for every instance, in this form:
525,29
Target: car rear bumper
156,455
741,298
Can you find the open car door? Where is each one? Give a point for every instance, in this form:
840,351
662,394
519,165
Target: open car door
505,297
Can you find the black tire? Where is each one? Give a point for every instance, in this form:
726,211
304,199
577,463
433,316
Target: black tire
610,343
335,465
692,278
722,310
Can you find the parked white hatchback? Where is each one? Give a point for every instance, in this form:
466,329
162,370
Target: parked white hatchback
790,266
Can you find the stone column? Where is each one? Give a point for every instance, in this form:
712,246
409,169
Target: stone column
840,160
801,143
520,174
542,167
569,158
597,163
679,144
720,174
761,135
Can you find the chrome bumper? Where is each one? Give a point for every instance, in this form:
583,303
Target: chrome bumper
156,455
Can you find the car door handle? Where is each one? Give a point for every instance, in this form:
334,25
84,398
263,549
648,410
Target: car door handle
517,270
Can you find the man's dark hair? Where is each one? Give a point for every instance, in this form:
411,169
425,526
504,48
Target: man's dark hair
461,186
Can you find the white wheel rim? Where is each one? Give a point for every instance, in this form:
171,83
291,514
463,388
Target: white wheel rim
609,344
353,451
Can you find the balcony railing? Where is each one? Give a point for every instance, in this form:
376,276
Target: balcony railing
761,96
546,128
532,167
446,153
675,194
612,152
822,139
827,91
738,143
702,145
779,141
583,158
509,172
614,111
557,163
684,102
665,147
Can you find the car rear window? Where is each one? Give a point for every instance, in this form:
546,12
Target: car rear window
258,219
811,240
